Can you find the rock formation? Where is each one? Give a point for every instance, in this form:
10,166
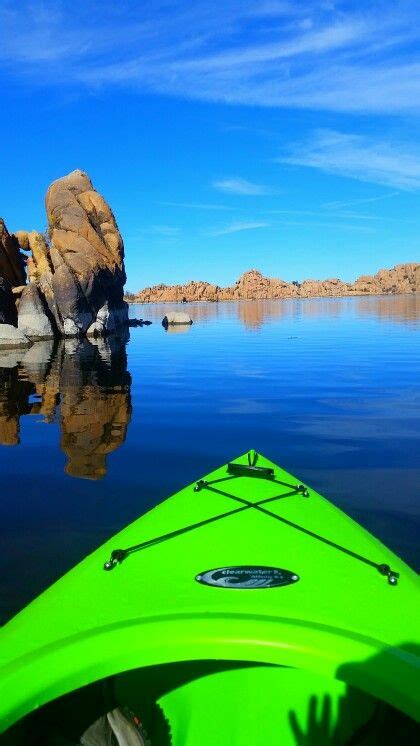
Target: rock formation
252,285
33,319
76,275
191,291
86,257
176,318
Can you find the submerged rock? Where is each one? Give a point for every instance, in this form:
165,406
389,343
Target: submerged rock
139,322
176,317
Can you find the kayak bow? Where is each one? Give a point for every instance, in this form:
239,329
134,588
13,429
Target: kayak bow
253,581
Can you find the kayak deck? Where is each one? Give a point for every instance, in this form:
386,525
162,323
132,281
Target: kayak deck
346,618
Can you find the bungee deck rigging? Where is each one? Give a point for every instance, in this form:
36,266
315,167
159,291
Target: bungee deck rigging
236,471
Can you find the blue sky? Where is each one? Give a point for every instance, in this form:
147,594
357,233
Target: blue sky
226,134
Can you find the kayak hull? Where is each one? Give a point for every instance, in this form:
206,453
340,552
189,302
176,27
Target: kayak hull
342,623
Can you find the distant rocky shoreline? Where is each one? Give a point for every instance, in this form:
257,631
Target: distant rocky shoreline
252,285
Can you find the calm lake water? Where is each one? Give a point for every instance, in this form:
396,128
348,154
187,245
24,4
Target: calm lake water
92,435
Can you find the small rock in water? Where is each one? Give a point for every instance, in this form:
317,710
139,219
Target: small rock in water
138,322
176,317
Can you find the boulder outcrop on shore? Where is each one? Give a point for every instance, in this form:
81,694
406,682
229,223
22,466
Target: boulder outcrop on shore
252,285
75,272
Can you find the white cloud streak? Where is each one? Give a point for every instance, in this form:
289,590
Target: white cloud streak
237,227
195,206
339,204
341,57
358,157
237,185
324,211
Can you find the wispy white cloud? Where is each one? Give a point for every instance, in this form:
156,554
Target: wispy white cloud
38,35
338,57
308,43
196,206
358,157
339,204
236,185
325,224
239,226
323,211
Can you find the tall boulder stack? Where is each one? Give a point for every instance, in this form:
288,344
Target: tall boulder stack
75,271
86,273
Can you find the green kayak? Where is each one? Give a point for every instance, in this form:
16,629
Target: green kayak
245,609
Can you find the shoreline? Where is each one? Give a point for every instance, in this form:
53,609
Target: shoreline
290,297
253,285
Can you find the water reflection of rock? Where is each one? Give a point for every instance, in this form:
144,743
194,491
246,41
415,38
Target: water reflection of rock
178,328
83,385
399,308
402,308
14,396
254,314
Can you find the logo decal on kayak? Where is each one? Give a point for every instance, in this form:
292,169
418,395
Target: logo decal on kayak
247,577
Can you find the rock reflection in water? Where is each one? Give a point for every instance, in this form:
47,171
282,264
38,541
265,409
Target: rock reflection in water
14,401
83,385
255,313
401,308
178,328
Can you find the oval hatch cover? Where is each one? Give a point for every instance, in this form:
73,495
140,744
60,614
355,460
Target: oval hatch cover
247,577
